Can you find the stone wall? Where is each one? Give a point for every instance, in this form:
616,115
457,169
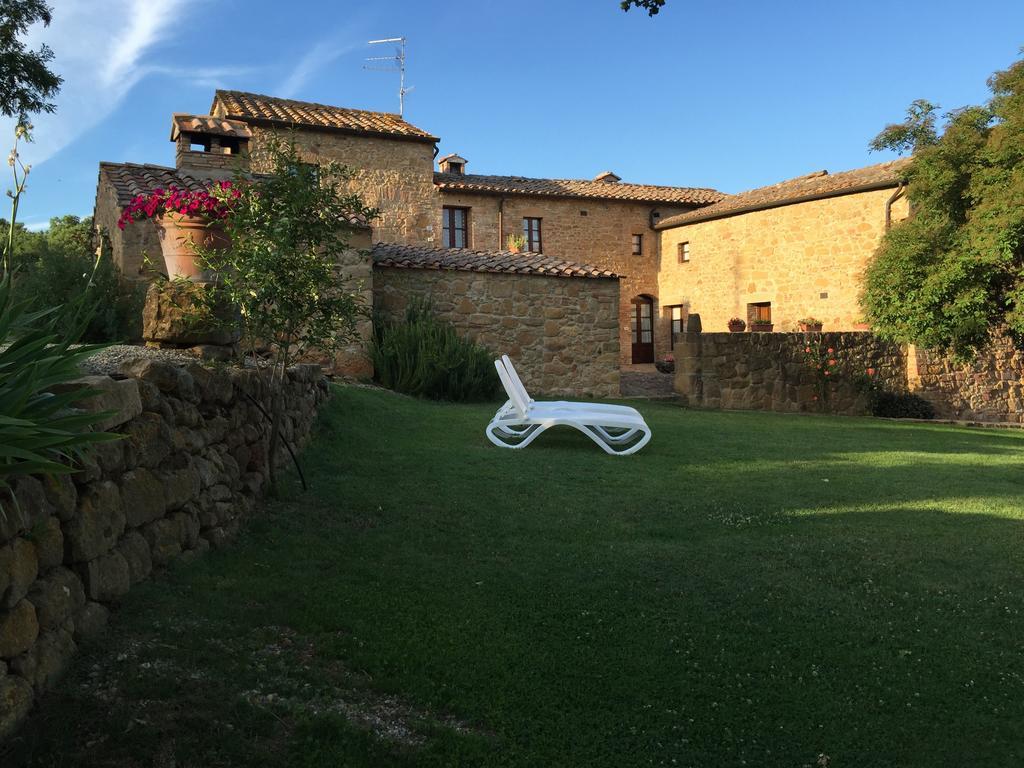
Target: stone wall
596,232
132,246
396,176
770,372
789,256
193,462
559,331
988,389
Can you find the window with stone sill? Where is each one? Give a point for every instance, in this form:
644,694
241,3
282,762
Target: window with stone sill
683,250
638,245
455,227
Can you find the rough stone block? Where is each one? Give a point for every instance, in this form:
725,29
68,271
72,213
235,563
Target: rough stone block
181,486
18,629
118,396
106,578
47,660
62,494
142,494
15,702
149,439
170,312
22,569
135,550
164,538
48,539
57,597
97,526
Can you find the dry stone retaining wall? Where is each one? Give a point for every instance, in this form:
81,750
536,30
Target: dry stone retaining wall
559,331
192,463
770,372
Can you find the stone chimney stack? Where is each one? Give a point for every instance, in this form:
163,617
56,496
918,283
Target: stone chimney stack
208,146
453,164
608,177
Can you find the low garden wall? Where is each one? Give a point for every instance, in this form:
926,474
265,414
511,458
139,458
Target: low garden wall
991,388
561,332
771,371
193,461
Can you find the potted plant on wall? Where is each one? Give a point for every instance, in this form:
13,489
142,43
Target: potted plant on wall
737,325
810,325
187,222
761,326
515,243
666,365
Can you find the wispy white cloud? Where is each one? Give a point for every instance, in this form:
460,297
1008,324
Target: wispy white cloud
319,56
102,56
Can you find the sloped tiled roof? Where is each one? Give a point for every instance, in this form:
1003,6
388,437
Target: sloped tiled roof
467,260
131,179
596,190
255,107
809,187
185,123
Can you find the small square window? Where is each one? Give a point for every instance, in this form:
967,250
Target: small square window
684,252
761,312
676,321
638,245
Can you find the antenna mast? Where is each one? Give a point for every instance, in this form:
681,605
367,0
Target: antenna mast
398,61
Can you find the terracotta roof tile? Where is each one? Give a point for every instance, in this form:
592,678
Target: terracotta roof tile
596,190
467,260
185,123
809,186
131,179
256,107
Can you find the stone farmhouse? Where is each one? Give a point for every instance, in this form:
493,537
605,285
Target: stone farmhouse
611,272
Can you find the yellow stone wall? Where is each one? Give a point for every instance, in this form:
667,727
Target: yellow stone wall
602,238
395,176
788,256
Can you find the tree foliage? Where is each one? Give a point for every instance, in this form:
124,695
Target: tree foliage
57,266
651,6
26,82
288,231
953,272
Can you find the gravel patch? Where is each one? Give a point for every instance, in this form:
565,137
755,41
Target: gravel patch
112,359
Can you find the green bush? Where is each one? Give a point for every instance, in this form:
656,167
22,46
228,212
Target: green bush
900,405
54,268
424,356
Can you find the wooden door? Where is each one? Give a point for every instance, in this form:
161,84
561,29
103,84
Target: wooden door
642,327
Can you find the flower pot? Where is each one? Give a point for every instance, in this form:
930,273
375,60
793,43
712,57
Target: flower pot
178,237
810,327
737,327
665,366
761,327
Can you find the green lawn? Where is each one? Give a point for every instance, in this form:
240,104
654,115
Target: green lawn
750,589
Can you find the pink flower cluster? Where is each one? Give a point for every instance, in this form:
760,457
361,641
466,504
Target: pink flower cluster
214,204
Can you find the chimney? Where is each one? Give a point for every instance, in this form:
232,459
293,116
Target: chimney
453,164
208,146
608,177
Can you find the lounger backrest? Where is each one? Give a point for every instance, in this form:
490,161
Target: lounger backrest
513,375
520,405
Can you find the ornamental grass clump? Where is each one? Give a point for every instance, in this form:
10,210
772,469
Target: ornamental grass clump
423,355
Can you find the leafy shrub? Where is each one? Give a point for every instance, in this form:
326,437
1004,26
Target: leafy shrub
41,432
55,267
424,356
900,405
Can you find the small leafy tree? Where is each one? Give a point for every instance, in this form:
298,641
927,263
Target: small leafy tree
953,272
651,6
288,230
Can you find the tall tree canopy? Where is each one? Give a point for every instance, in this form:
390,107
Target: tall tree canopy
26,82
953,272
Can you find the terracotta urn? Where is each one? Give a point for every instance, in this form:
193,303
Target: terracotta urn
178,237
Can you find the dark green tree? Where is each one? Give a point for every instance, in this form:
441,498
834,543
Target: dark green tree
953,273
27,84
651,6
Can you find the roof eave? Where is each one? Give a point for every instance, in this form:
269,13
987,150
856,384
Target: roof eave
702,216
527,193
272,123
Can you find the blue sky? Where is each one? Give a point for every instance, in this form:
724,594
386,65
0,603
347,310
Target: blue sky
730,95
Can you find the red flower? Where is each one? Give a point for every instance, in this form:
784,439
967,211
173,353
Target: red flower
871,371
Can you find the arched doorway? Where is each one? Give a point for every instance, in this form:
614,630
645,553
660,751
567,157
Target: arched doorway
641,325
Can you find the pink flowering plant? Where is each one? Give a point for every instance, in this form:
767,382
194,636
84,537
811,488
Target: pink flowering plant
823,363
214,204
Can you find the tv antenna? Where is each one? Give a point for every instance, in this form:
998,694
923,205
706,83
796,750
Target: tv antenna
398,65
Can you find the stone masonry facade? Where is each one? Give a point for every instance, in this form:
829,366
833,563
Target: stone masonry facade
559,331
192,464
805,260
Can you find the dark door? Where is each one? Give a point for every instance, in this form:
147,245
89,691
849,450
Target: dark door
642,327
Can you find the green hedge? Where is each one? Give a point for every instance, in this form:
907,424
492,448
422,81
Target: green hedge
424,356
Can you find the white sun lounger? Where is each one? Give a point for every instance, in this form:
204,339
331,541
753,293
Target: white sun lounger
618,429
